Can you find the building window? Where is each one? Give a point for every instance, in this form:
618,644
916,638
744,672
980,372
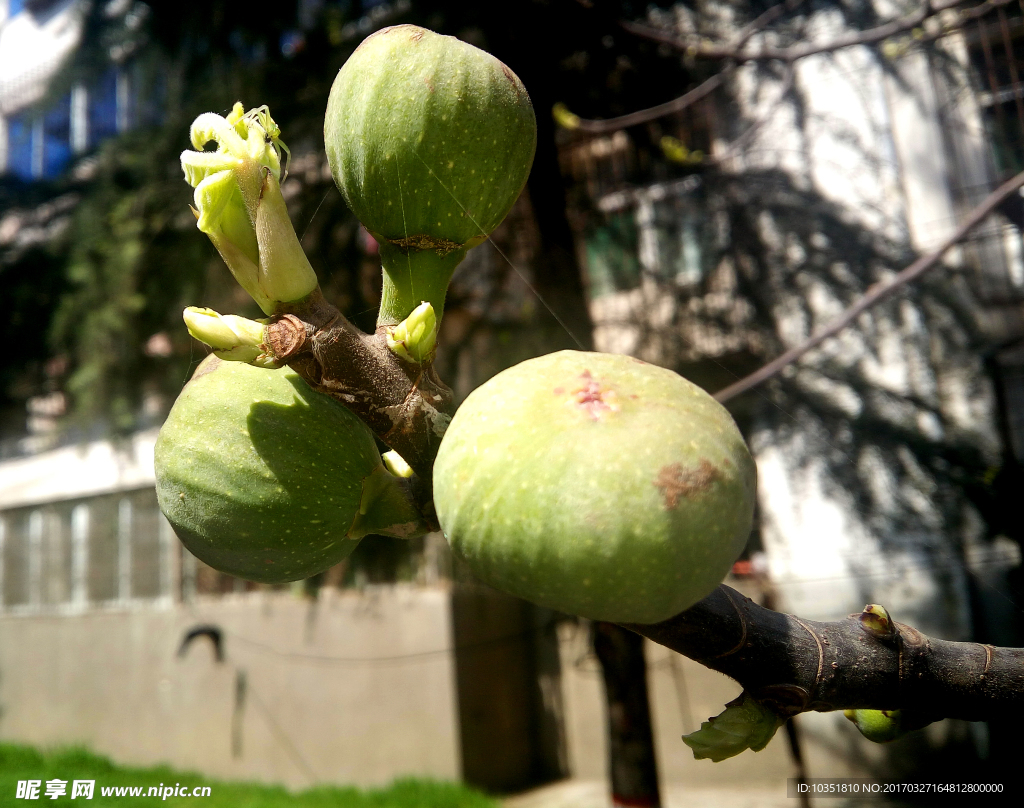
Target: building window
56,139
106,550
41,145
102,106
19,145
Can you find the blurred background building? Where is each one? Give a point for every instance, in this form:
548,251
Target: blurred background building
706,238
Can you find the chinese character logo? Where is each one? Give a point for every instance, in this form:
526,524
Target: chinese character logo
83,788
28,789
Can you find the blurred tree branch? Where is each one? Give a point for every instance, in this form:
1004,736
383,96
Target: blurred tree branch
877,293
734,53
735,50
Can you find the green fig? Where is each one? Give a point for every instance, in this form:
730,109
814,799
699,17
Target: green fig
264,478
430,141
597,485
880,726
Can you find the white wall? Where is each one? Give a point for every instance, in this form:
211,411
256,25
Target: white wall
358,689
32,49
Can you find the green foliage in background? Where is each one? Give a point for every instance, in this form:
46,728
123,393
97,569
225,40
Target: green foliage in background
23,763
129,267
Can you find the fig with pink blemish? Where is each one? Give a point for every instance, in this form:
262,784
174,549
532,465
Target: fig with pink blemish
596,485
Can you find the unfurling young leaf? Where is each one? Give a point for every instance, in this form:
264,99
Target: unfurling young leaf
745,724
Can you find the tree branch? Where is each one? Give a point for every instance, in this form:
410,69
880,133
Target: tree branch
876,294
691,97
734,51
702,90
405,404
796,665
763,20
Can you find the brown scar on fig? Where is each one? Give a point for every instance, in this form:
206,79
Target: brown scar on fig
517,87
675,482
424,242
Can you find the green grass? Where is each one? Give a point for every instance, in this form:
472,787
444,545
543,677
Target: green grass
25,763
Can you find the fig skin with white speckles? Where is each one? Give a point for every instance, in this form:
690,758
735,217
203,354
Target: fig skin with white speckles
430,140
428,136
597,485
259,475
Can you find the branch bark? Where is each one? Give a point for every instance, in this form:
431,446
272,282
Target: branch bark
405,404
796,665
876,294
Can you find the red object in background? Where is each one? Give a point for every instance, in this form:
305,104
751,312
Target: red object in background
743,568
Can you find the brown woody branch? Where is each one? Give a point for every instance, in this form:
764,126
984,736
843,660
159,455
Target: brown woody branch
796,665
405,404
876,294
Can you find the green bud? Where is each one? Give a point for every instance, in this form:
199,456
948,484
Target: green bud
415,338
430,141
745,724
880,726
883,726
285,273
563,117
396,464
875,621
240,207
231,337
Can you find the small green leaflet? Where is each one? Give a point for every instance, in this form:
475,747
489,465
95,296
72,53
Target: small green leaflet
745,724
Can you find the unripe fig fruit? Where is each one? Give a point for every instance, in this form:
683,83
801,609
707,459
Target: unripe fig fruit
266,479
597,485
430,141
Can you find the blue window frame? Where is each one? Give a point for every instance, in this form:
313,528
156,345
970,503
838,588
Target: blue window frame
57,138
103,108
41,148
19,146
